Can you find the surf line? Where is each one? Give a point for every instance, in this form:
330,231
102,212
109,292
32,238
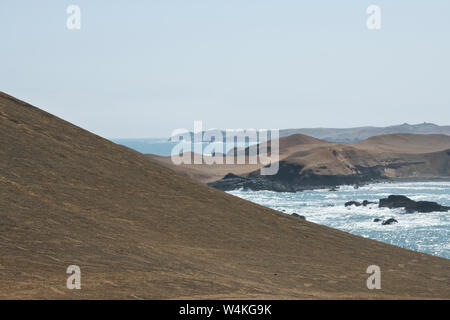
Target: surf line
191,310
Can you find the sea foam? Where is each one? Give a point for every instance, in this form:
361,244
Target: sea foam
424,232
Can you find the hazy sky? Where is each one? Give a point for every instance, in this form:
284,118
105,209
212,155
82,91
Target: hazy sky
144,68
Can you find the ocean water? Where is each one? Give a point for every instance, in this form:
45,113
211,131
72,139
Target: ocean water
160,147
163,147
424,232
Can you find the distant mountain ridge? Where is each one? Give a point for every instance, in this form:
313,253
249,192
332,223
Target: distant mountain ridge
163,147
362,133
354,134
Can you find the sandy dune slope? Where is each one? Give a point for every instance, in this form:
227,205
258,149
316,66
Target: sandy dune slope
387,156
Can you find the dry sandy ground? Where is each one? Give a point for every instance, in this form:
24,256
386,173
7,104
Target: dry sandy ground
141,231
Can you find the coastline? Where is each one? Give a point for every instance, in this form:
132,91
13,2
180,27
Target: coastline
139,230
236,183
365,211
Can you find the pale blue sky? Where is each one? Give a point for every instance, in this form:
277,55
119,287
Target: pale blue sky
144,68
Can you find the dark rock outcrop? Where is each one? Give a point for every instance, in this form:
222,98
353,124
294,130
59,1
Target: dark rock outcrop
353,203
298,216
293,177
233,182
365,203
411,206
389,221
376,220
396,201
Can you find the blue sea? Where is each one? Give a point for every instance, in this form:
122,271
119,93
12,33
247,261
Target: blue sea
163,147
424,232
160,147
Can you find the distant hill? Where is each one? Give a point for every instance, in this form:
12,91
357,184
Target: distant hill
307,163
163,147
141,231
339,164
209,173
406,143
362,133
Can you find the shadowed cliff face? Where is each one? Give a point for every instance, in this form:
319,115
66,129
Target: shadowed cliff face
139,230
326,167
293,177
307,163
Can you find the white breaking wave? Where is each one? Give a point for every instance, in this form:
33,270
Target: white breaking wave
425,232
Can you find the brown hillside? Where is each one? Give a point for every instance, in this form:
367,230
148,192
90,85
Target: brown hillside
140,230
296,141
202,172
208,173
344,164
401,156
406,143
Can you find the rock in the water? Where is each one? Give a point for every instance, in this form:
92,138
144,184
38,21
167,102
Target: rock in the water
353,203
411,206
396,201
389,221
376,220
429,206
298,216
365,203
